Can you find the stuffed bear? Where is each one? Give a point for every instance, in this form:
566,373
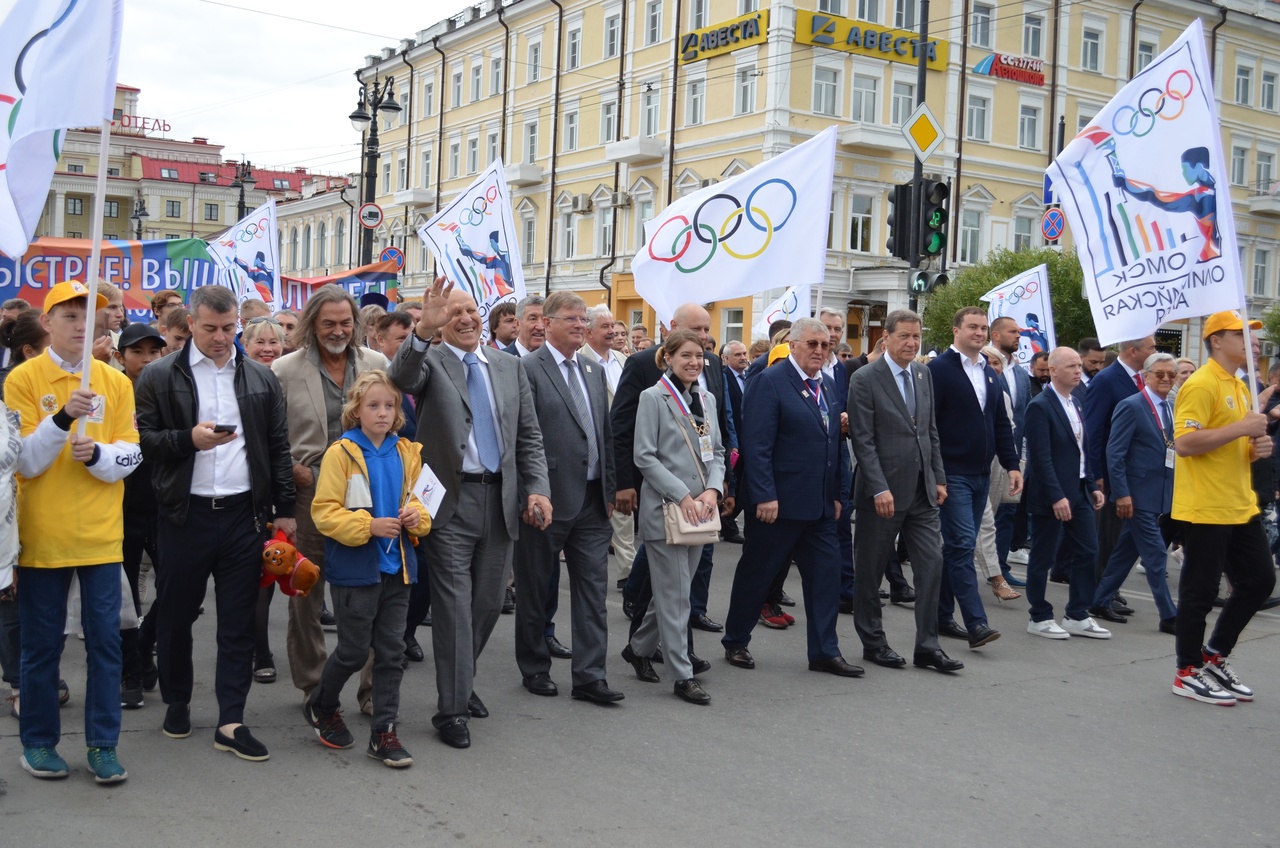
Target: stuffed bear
283,564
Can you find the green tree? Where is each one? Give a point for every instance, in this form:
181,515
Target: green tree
1071,317
1271,323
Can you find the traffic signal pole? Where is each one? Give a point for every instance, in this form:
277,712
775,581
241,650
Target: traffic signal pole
914,230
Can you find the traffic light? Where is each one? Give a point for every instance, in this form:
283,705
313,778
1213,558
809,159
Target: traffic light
933,217
923,282
899,240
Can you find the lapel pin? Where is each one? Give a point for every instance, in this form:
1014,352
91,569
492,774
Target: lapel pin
804,393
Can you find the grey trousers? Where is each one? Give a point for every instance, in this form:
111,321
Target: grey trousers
624,543
470,559
368,617
671,569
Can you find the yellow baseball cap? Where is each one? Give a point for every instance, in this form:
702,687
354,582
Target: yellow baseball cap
1230,320
70,290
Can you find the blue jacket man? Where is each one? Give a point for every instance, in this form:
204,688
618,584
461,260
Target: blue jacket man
1006,337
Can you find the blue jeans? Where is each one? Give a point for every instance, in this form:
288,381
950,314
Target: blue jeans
1140,536
961,516
42,605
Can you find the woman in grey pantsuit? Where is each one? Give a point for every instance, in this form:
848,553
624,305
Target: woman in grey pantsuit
689,473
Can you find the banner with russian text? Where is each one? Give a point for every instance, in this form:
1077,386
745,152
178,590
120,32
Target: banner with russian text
379,277
1025,299
1139,187
248,255
792,304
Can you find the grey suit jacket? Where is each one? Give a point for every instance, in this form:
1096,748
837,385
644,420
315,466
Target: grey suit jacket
438,381
303,389
670,471
566,442
892,452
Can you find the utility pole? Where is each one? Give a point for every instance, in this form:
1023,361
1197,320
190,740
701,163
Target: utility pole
922,60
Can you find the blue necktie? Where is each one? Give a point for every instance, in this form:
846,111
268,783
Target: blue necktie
820,398
1168,419
482,416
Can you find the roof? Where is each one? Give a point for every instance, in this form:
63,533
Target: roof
224,174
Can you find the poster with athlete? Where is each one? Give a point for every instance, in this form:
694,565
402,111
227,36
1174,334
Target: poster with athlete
1139,187
793,303
1025,299
248,256
473,239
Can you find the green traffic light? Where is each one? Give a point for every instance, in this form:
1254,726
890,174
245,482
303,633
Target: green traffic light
934,243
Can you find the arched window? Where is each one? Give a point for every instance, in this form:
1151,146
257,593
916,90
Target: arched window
322,244
306,246
293,248
340,242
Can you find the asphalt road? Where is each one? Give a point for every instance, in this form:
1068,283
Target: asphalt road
1034,743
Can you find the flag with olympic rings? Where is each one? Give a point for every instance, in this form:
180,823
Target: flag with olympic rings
247,255
794,303
1025,299
1139,187
741,236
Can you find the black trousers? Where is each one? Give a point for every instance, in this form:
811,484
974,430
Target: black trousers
226,544
139,536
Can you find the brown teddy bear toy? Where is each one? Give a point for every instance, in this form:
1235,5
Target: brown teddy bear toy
283,564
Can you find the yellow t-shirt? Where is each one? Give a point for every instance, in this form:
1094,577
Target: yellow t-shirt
66,516
1215,487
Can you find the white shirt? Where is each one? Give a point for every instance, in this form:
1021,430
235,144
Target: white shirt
522,350
1010,363
593,470
1159,404
1073,417
898,371
471,463
739,376
69,367
224,470
807,378
975,370
612,368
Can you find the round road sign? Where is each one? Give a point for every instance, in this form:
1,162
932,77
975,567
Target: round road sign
370,215
392,254
1052,224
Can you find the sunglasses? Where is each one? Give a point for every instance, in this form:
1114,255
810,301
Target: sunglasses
264,319
814,344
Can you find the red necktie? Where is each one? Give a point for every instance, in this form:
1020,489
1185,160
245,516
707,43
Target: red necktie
1137,378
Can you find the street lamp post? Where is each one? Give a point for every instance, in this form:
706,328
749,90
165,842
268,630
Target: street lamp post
374,98
244,179
140,214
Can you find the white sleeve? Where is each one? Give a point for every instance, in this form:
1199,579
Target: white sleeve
116,461
41,448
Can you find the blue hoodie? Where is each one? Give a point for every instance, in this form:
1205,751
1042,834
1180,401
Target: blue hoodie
386,479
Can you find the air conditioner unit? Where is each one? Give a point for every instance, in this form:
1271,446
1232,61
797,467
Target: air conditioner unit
620,199
581,203
706,183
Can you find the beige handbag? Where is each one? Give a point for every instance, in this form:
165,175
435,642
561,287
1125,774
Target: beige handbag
678,529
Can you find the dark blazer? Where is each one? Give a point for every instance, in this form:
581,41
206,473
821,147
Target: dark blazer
1023,380
970,435
511,349
1053,457
894,453
787,454
1135,457
1112,385
734,391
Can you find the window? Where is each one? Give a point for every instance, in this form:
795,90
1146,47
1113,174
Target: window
970,235
1032,31
746,7
651,114
76,235
1267,91
644,214
169,236
172,209
568,236
455,157
652,22
573,50
281,185
1265,170
1090,49
904,14
1146,53
696,102
404,112
904,102
730,325
535,62
73,168
1260,260
386,174
322,243
211,211
402,173
495,77
531,142
1029,127
831,225
604,231
868,10
457,89
834,7
1238,157
612,36
570,131
111,236
1244,85
208,177
1022,230
980,25
744,103
428,175
113,172
864,98
75,206
860,223
428,97
608,121
824,90
306,246
339,239
493,148
697,14
530,238
111,209
477,74
473,155
168,173
976,118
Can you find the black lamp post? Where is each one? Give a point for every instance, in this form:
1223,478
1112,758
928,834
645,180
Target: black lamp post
244,179
374,98
140,213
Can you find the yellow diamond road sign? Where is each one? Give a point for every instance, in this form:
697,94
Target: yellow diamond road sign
923,132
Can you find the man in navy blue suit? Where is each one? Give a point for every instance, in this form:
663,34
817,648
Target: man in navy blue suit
1140,459
835,369
973,428
1006,337
736,359
792,452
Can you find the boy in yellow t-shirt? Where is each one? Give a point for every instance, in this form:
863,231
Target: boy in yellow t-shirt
70,522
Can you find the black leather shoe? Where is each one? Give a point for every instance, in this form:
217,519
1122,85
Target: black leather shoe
885,656
982,635
935,659
951,629
656,659
177,721
509,601
541,684
1120,608
846,606
884,593
907,596
455,733
838,667
413,650
786,600
1059,578
1270,603
621,584
242,744
557,650
598,692
1167,625
700,666
705,622
1107,614
740,657
476,707
642,665
628,607
691,690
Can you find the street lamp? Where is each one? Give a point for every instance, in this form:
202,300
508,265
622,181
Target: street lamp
244,179
374,98
140,213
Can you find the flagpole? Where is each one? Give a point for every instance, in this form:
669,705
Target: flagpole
1248,354
95,259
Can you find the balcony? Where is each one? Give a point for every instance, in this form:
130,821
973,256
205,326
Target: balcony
418,198
879,136
636,151
524,174
1264,198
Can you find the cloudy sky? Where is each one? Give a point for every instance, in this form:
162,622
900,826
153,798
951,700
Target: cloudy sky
272,80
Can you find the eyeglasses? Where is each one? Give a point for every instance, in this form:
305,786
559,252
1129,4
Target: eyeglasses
572,319
262,319
814,344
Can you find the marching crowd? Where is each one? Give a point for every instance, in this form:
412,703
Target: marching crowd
566,437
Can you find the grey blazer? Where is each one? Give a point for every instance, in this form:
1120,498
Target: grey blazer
438,381
892,452
663,459
566,442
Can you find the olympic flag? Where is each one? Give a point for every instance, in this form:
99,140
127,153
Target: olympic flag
248,256
1139,187
794,303
59,60
755,231
1025,299
474,241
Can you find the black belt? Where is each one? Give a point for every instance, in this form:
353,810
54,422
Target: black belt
488,478
222,501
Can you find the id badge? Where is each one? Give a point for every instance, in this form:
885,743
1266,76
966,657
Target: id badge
1169,454
98,409
704,444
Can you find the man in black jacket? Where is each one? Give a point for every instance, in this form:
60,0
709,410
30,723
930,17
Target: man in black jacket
213,429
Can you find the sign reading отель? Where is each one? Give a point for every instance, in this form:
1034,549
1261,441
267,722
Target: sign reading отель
849,36
742,31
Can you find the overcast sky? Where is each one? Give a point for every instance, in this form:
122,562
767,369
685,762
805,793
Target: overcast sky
277,91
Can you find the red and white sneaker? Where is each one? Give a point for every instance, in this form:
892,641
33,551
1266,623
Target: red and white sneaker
1224,675
1194,683
771,616
788,618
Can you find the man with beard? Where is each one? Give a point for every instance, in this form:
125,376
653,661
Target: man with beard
1039,372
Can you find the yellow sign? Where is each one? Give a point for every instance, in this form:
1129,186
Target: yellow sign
923,132
896,45
742,31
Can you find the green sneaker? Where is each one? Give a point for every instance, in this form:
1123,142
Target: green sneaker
105,767
44,763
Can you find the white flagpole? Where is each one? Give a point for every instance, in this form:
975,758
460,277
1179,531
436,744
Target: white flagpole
1250,363
95,259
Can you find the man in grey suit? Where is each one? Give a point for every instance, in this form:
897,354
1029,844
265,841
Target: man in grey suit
570,400
486,448
900,485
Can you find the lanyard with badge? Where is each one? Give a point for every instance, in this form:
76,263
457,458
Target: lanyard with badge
1169,452
703,430
822,409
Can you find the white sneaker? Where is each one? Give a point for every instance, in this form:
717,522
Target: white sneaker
1048,628
1087,628
1217,667
1140,569
1194,683
1018,556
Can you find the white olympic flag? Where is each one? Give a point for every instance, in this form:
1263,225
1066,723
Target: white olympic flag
792,304
248,255
1025,299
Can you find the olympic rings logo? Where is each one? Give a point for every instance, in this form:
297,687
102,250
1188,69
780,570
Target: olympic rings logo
1128,119
479,208
252,230
684,251
1020,293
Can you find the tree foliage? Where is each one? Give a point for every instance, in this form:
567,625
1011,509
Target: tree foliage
1271,322
1071,317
